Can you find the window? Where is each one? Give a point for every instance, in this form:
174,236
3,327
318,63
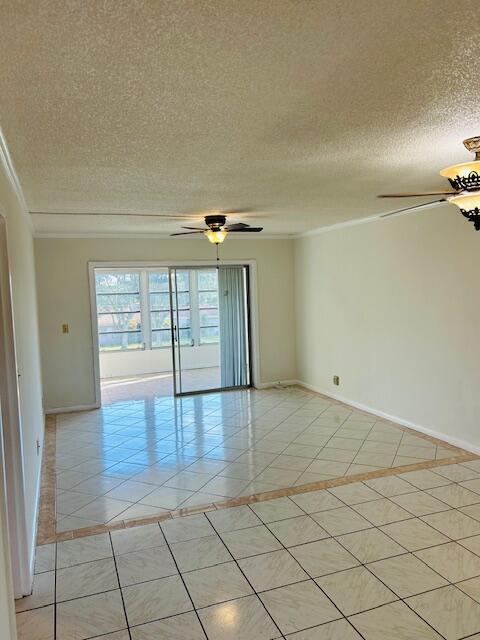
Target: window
207,291
124,300
160,308
118,307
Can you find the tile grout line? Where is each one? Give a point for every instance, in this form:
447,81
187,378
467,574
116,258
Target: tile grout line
246,578
311,578
365,565
119,585
183,582
403,599
55,596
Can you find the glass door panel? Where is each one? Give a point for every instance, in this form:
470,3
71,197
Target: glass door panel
209,319
233,316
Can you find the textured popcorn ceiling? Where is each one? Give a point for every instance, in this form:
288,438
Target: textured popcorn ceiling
304,109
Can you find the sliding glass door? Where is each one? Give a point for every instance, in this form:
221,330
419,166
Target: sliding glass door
209,328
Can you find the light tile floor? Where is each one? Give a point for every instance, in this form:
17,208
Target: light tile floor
350,562
140,387
138,458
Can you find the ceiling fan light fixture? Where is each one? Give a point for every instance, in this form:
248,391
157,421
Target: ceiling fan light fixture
216,236
464,176
469,205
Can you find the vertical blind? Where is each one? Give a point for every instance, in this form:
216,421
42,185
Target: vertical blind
233,330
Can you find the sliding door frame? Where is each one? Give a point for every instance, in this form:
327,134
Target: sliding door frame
252,301
176,347
13,523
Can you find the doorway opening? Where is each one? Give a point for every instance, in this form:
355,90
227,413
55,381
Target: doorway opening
165,330
16,556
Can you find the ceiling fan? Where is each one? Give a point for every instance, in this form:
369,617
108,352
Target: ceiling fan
218,229
465,192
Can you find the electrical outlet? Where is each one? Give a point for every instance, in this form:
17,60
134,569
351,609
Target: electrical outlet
336,380
65,328
38,447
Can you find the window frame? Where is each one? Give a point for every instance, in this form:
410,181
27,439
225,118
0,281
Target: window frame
138,293
168,346
199,309
145,309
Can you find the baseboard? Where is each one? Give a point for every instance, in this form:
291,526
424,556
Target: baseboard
79,407
456,442
277,383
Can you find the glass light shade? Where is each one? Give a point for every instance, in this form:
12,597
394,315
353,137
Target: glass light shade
216,237
469,205
466,202
464,176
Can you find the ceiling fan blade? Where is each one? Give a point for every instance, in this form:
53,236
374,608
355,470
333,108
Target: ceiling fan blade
237,225
139,215
447,192
425,205
194,229
186,233
248,229
233,211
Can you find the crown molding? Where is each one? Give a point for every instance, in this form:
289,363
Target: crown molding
7,165
382,216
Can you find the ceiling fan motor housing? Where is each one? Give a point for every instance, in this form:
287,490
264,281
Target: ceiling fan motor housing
215,222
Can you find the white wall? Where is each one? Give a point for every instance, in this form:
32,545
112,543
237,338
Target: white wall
131,363
62,276
393,308
7,612
24,300
389,306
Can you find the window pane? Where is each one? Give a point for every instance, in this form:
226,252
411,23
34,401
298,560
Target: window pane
160,301
208,318
108,322
207,299
120,341
209,335
184,319
185,336
161,338
160,320
207,279
158,281
183,281
117,282
183,300
160,308
118,302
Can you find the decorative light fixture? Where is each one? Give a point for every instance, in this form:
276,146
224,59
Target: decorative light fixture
465,178
469,205
218,229
216,236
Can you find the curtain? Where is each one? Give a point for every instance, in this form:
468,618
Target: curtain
233,330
